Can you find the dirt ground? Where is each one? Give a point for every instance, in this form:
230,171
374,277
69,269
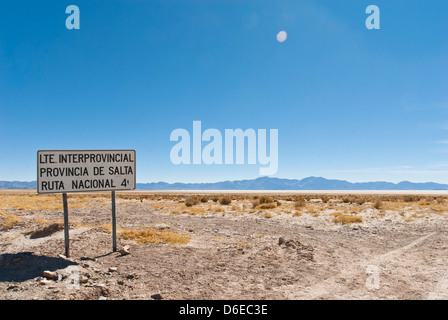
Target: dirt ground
298,249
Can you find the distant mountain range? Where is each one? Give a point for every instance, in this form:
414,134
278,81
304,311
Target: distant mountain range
266,183
17,185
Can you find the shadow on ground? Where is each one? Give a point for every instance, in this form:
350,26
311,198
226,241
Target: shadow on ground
24,266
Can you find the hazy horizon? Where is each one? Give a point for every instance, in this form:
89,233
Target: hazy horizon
255,178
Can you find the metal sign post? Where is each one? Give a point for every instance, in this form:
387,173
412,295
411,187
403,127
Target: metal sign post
66,235
114,224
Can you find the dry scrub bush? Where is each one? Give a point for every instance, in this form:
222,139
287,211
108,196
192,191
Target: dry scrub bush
189,202
267,215
300,203
225,201
255,203
424,202
204,199
271,205
266,199
312,209
377,204
346,219
348,199
411,198
265,202
194,211
8,221
218,210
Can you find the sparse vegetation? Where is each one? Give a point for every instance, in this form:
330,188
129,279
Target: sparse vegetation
195,211
266,199
297,214
189,202
267,215
346,219
424,202
225,201
319,235
312,209
29,201
265,202
348,207
8,221
153,236
300,203
255,203
271,205
377,204
235,208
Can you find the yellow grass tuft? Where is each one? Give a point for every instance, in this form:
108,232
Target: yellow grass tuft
243,245
346,219
194,210
300,203
48,201
297,214
107,226
267,215
312,209
270,205
424,202
153,236
377,204
8,221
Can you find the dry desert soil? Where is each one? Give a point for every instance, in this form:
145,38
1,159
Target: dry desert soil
197,245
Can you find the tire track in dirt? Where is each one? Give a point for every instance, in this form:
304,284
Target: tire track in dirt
331,286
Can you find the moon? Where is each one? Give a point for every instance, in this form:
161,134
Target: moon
281,36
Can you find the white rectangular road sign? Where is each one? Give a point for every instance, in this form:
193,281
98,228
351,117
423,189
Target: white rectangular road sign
61,171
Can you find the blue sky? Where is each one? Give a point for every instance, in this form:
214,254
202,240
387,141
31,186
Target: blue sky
348,102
